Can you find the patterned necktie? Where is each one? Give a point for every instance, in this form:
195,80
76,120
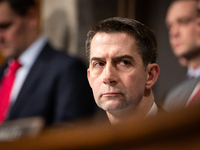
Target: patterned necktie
6,87
195,97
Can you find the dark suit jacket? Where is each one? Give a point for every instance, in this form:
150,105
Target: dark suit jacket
56,88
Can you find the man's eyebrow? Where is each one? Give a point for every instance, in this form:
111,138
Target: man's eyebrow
95,58
115,58
124,57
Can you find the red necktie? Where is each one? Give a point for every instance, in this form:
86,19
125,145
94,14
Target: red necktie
195,97
5,88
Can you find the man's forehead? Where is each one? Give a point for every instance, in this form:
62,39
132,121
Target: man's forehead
178,11
123,39
183,7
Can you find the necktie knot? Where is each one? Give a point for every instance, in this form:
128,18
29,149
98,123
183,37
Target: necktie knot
14,65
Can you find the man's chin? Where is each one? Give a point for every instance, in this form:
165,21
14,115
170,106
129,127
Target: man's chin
179,52
191,54
6,53
112,107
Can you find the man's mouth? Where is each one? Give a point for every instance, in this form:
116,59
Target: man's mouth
111,94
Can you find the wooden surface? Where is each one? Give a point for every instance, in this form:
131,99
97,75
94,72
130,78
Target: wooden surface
178,130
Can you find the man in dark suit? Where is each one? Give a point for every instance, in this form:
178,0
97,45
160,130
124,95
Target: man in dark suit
184,37
48,83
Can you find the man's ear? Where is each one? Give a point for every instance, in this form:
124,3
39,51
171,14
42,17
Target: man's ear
153,72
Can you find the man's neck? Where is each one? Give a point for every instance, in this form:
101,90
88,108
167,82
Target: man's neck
194,63
136,112
192,58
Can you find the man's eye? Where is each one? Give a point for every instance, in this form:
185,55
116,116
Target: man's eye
124,65
124,62
5,25
186,21
98,64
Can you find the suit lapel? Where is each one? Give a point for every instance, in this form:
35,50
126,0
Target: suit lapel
160,109
33,78
178,97
186,90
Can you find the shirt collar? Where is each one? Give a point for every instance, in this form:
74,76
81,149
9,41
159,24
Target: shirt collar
193,72
153,111
28,57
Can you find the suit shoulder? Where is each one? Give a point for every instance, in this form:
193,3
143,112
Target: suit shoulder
61,60
59,56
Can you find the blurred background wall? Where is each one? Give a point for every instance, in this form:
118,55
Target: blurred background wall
66,22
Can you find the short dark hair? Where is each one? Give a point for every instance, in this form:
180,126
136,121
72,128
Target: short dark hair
146,42
20,6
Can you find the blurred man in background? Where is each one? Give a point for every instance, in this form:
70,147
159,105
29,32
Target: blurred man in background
184,37
37,80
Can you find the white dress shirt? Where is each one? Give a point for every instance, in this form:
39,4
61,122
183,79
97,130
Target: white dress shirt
193,73
26,59
153,111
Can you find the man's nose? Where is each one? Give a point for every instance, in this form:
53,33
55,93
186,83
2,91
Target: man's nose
110,75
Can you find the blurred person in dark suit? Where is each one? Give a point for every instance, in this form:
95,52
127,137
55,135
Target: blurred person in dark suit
184,37
122,69
47,83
